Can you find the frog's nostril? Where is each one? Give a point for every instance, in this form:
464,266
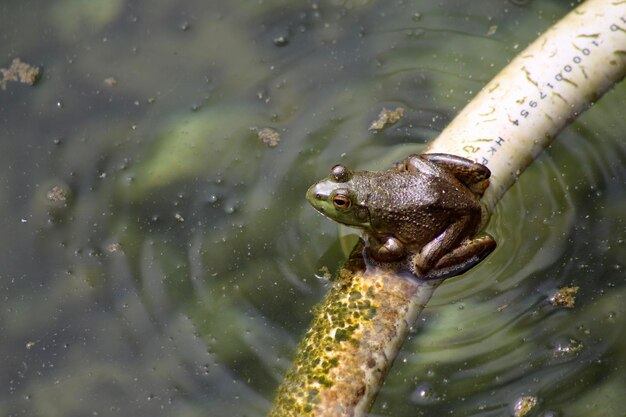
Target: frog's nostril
318,196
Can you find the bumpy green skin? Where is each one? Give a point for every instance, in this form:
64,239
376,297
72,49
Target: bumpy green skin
342,359
412,206
425,210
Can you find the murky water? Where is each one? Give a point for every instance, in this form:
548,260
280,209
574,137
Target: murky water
177,270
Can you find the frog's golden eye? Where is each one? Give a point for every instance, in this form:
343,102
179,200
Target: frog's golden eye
341,202
341,173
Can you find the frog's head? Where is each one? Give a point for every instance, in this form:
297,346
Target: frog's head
337,197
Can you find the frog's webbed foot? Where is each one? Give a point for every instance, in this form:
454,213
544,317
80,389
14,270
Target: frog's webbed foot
475,176
460,260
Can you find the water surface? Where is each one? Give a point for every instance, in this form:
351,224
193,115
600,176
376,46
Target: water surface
177,273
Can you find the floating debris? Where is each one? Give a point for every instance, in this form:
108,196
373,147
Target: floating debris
571,347
19,72
492,30
387,117
324,274
564,297
502,307
114,247
57,193
268,136
111,82
525,405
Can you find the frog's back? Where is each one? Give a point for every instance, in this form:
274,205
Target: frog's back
415,207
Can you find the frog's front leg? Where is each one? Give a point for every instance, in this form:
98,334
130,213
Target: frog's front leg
387,249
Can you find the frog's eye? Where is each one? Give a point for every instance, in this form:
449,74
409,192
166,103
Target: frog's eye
341,202
341,173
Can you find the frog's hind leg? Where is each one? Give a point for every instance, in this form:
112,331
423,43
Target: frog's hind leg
461,259
442,245
415,163
474,175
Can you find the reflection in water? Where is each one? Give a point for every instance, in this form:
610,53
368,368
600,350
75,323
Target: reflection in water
159,259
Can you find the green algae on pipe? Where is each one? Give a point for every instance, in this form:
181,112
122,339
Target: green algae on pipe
359,327
356,332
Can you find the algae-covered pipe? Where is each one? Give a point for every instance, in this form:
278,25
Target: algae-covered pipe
359,327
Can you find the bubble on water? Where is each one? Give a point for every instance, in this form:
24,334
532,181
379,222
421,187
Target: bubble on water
424,394
281,41
415,33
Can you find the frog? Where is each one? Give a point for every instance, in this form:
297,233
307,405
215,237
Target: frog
425,211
